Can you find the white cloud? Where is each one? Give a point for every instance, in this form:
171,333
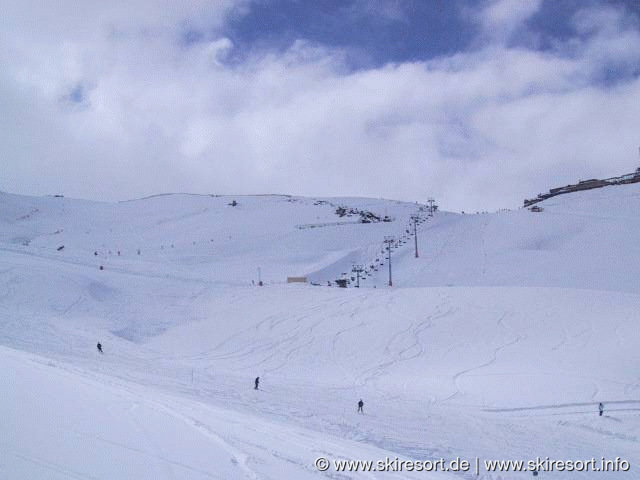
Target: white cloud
613,39
477,130
500,19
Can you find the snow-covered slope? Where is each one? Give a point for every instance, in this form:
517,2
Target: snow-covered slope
203,237
586,240
498,342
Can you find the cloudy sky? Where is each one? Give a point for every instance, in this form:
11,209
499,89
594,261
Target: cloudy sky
477,103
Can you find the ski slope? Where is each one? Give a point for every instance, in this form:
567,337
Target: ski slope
497,342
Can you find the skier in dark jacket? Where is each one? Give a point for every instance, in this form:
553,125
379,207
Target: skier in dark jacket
257,383
601,408
99,346
360,405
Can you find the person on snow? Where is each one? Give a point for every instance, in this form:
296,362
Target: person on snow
360,406
99,346
257,383
601,408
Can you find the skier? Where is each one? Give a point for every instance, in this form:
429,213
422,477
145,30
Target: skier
257,383
360,405
601,408
99,346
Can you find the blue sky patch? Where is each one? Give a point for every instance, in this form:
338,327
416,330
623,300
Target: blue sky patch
375,32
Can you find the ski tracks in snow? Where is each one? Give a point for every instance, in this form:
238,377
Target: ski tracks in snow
237,457
457,378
